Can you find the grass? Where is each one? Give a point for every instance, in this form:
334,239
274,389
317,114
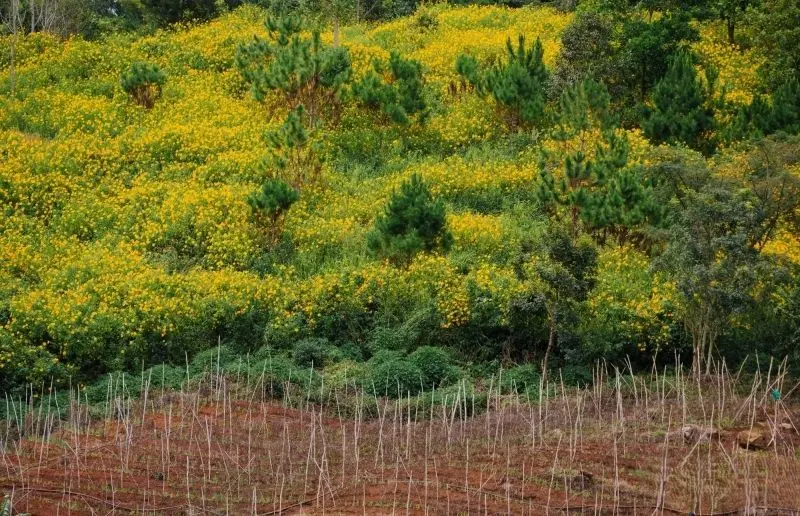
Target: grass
222,443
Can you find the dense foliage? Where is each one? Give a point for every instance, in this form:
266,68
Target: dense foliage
456,190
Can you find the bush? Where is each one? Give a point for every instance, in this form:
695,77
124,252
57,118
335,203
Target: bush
174,11
345,374
211,359
434,364
310,353
143,82
523,379
393,378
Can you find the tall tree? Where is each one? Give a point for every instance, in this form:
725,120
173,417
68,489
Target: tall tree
778,35
645,49
602,194
587,52
719,226
713,265
11,16
563,273
681,111
731,12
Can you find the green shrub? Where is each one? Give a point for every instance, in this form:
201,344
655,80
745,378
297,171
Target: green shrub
471,402
577,374
164,377
275,371
310,352
143,82
523,379
434,364
351,351
382,356
393,378
173,11
346,373
211,359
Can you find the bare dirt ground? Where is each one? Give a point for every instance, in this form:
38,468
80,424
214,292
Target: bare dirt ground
626,446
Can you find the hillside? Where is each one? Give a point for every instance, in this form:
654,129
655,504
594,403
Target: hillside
126,238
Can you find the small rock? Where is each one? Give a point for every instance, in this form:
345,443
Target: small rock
753,439
692,434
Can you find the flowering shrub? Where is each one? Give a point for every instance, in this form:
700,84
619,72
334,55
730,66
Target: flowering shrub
126,235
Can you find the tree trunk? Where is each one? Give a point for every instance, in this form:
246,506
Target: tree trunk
15,25
335,32
731,30
551,344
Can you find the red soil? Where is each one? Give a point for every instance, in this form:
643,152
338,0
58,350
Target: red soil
187,456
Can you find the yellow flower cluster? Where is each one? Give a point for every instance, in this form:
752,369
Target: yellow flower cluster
481,31
122,226
737,67
630,299
482,233
468,119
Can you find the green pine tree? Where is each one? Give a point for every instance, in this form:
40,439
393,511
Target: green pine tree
785,112
751,120
294,155
603,195
680,112
302,68
395,90
269,205
518,85
143,82
413,222
760,118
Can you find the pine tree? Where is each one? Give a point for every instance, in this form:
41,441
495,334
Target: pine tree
785,112
751,120
143,82
270,204
302,68
294,156
519,85
603,195
680,112
413,222
395,91
173,11
760,118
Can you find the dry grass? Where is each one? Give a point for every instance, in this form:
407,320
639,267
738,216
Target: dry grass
651,444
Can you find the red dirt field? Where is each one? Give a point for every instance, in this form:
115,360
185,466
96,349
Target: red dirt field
613,451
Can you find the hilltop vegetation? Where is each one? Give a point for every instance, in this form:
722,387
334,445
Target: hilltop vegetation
621,182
